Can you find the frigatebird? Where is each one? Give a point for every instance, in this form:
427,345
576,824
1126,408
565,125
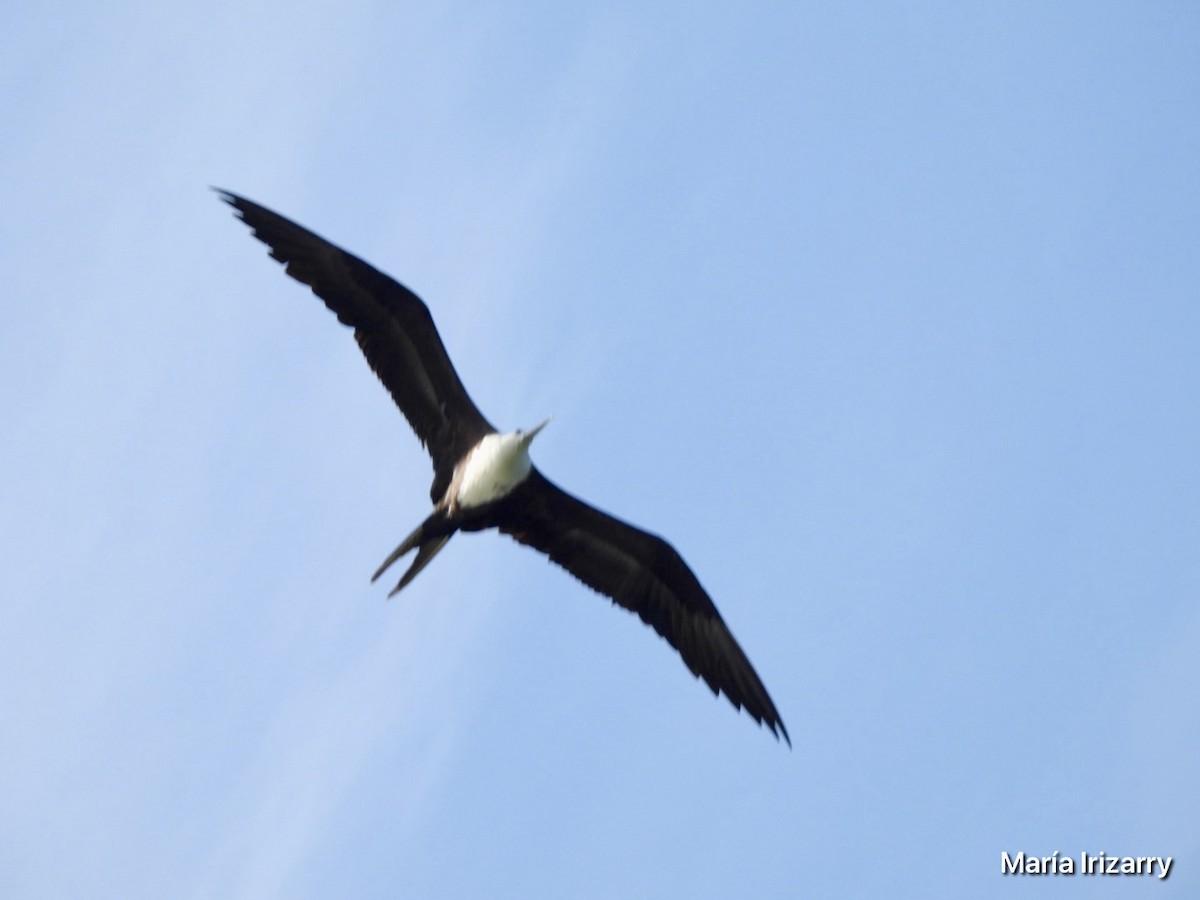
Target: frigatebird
484,478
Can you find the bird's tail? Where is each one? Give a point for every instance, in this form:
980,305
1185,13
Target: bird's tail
428,538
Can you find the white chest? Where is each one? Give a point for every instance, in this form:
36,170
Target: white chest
497,465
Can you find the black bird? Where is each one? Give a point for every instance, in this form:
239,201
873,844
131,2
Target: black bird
484,479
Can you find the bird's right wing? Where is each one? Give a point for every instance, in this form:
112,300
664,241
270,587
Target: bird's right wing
393,328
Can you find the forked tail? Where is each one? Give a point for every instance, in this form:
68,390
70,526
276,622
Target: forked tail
429,537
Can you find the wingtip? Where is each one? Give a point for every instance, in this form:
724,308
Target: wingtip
775,725
237,201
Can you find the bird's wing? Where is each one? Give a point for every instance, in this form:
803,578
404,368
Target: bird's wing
393,328
644,574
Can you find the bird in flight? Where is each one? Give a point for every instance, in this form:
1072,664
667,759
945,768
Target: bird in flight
484,478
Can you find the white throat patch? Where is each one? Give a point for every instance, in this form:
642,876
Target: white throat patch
498,464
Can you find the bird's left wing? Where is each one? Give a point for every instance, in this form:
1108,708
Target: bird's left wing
644,574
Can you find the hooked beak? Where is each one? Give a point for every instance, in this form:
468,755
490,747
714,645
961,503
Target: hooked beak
528,436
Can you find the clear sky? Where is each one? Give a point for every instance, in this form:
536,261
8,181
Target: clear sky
886,315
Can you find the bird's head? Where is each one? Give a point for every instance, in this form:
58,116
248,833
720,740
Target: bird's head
526,435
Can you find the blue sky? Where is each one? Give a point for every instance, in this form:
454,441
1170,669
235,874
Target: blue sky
885,315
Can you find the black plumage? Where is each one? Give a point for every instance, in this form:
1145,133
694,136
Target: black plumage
637,570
